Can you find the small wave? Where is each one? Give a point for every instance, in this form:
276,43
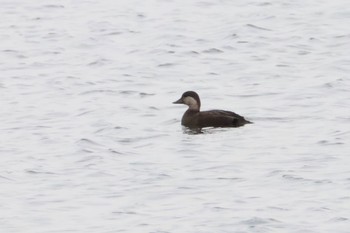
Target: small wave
298,178
114,151
292,177
87,142
144,94
5,178
258,221
212,51
339,219
128,92
40,172
98,91
113,33
99,62
328,143
53,6
257,27
166,65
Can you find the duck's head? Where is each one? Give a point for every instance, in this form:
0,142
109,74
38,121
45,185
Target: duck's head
191,99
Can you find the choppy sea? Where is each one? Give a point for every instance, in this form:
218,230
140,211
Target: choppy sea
91,142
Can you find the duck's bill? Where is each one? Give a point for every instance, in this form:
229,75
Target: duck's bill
179,101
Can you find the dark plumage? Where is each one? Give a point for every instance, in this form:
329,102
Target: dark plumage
194,118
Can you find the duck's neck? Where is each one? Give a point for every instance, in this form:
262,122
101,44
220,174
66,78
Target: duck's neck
192,109
193,106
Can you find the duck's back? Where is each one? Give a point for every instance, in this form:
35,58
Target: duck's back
220,118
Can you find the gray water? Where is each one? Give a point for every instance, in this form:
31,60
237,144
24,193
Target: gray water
90,141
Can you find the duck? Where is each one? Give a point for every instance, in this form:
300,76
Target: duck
195,119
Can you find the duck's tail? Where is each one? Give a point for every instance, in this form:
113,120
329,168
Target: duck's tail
248,122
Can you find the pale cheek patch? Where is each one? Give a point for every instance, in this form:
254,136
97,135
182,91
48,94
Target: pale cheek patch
191,102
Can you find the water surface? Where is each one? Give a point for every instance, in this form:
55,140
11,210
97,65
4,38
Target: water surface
90,141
